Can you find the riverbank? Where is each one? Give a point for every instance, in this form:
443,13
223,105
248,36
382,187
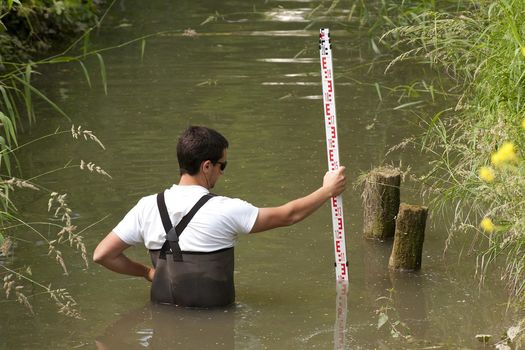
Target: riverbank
34,28
478,142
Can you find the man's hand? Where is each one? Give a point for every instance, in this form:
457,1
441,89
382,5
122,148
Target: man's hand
335,181
150,274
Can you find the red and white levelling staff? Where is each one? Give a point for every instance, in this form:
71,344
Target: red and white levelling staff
332,151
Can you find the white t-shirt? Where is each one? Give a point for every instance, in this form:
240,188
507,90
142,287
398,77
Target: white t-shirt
215,226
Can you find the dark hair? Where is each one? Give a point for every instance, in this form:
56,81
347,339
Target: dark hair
198,144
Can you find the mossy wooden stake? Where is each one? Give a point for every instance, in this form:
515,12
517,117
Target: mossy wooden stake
380,202
409,237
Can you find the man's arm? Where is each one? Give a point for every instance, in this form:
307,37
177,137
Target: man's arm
334,183
109,253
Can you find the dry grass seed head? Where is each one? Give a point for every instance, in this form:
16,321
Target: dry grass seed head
86,134
92,167
15,182
5,248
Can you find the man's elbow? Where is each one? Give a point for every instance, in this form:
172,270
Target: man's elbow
98,257
108,249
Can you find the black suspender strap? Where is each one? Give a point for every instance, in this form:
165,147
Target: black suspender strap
187,218
161,204
173,232
166,222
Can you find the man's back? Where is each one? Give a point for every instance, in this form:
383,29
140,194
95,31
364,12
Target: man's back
215,226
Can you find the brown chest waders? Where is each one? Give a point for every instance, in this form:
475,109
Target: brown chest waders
191,279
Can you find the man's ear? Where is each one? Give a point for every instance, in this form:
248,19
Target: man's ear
206,165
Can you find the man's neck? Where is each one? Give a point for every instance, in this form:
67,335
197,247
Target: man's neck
188,180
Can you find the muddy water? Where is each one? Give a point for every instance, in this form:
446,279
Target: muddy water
251,72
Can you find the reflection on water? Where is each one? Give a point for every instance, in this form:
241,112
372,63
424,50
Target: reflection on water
279,33
288,60
341,311
167,327
288,15
410,301
299,83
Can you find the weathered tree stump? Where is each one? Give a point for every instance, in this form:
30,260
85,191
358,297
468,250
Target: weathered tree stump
380,202
409,237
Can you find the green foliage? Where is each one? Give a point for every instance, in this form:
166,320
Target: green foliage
378,15
27,28
479,46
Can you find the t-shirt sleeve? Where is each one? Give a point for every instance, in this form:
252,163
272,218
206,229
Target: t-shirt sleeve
242,214
129,229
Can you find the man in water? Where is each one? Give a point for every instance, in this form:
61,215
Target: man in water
190,232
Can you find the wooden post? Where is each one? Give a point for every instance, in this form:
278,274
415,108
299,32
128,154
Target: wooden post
380,202
409,236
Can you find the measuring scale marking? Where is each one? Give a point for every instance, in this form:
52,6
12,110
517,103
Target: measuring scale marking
332,150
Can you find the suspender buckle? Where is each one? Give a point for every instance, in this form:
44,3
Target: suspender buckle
172,235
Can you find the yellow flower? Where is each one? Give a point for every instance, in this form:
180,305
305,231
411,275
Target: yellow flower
523,123
506,153
523,51
486,174
487,225
496,159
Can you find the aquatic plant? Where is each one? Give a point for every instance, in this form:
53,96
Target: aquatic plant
388,317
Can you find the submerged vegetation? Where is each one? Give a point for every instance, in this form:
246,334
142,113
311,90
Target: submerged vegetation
28,29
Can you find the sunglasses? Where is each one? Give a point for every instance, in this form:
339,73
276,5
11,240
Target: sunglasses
222,164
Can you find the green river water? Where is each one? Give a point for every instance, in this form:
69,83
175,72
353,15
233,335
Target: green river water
254,76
